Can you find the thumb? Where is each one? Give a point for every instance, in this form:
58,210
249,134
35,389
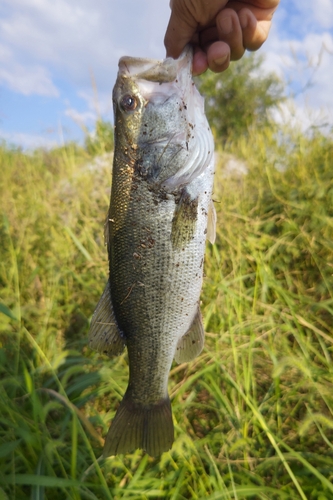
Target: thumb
179,32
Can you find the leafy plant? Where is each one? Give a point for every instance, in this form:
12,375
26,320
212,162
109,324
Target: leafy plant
101,139
253,413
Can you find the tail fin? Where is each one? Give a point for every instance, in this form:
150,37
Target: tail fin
135,425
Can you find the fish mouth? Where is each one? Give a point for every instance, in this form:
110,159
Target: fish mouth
158,81
153,70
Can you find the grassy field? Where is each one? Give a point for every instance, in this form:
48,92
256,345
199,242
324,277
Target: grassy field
253,414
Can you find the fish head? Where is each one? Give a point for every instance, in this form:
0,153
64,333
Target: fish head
159,114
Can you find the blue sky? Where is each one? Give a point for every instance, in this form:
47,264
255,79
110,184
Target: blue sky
58,61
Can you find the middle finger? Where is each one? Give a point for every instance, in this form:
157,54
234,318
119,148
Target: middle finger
230,31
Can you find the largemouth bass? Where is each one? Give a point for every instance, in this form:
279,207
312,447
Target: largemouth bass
155,232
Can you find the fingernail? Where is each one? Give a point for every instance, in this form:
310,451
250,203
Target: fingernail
226,25
221,60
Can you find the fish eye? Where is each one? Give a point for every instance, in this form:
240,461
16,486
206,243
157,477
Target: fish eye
128,102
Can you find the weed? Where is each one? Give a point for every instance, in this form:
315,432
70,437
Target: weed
253,413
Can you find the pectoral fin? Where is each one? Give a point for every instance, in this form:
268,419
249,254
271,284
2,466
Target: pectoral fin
211,223
104,334
184,220
191,344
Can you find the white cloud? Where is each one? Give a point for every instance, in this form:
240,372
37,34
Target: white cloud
306,64
46,45
27,80
74,38
82,119
45,26
320,11
98,105
302,117
28,141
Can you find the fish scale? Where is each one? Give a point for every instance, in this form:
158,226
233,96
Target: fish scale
156,230
149,278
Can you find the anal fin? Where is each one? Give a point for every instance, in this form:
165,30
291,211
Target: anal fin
190,345
104,334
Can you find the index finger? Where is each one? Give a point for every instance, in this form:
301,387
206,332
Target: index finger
186,20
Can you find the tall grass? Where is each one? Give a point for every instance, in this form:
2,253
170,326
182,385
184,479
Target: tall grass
253,413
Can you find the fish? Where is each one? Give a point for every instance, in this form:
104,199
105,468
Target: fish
160,215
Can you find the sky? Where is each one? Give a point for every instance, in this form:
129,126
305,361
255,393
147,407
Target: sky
59,59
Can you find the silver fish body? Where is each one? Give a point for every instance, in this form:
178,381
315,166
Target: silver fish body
156,230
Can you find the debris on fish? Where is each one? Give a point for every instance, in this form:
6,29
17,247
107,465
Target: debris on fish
156,229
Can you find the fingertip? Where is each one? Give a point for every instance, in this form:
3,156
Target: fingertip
230,32
200,63
172,50
220,65
254,32
218,56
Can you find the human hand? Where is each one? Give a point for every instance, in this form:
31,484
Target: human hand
219,30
